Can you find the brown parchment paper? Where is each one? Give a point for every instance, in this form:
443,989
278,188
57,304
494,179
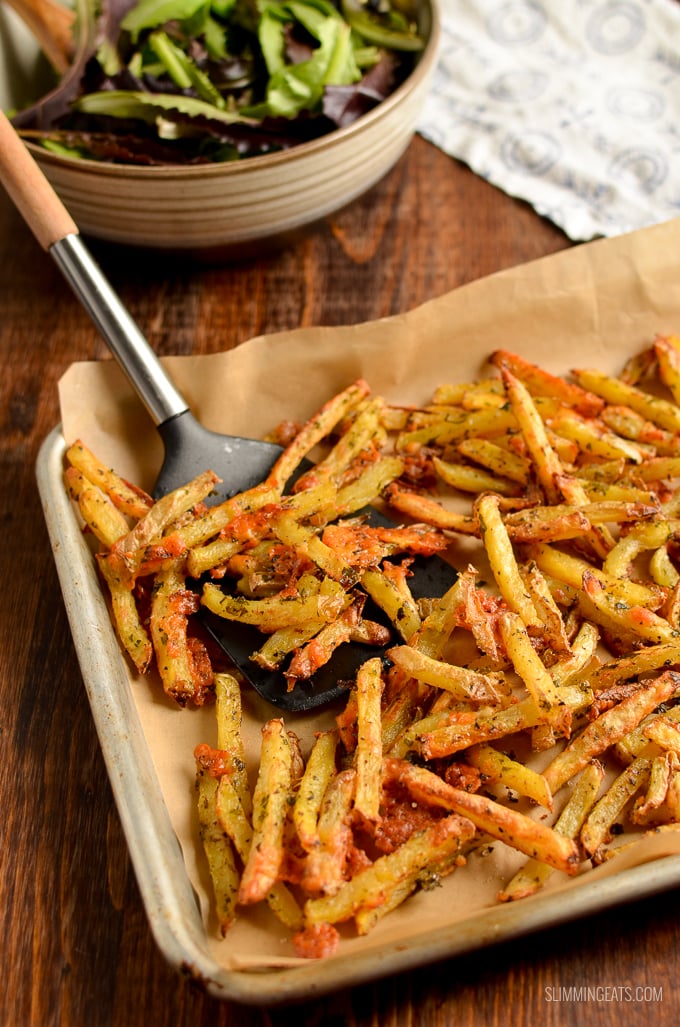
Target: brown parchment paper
593,305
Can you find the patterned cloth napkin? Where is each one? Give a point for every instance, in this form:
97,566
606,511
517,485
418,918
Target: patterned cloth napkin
571,105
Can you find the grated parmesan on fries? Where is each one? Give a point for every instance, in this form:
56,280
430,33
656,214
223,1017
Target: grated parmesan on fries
546,680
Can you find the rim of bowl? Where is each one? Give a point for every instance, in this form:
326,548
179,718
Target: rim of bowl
294,153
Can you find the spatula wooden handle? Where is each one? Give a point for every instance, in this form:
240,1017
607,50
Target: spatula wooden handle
30,191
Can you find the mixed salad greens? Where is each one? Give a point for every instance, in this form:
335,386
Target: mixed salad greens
195,81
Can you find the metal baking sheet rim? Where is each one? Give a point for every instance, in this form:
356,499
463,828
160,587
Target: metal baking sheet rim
169,899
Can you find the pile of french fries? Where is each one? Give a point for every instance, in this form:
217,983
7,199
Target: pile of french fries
534,704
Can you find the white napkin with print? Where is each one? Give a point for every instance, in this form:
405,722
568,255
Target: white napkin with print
571,105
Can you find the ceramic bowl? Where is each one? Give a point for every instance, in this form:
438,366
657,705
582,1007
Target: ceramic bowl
236,206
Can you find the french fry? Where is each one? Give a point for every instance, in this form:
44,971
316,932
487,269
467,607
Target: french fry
318,772
129,499
130,548
461,682
597,826
609,728
103,519
668,358
270,802
638,743
126,616
498,767
534,674
368,755
664,731
541,383
234,822
423,508
170,608
616,392
533,875
638,620
662,770
274,612
314,431
497,459
219,854
467,478
325,869
374,885
486,725
573,643
502,560
507,825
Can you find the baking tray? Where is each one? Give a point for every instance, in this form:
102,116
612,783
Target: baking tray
171,903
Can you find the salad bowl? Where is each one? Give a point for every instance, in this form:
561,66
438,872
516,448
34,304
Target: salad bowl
220,207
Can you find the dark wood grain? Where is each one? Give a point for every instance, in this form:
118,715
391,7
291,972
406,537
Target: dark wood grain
76,949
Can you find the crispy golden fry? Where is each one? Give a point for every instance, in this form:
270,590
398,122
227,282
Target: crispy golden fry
501,461
103,519
594,438
616,392
638,620
664,731
533,875
662,770
126,616
541,383
498,767
439,622
270,803
318,650
218,851
651,658
375,884
129,499
274,612
534,674
234,822
460,424
391,593
228,716
171,605
453,394
460,682
531,837
424,508
546,463
640,538
165,510
502,560
314,431
638,743
368,754
290,531
363,432
368,486
609,728
547,609
325,869
467,478
632,425
434,741
596,829
570,569
318,772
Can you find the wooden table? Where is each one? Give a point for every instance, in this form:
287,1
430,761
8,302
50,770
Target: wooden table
76,949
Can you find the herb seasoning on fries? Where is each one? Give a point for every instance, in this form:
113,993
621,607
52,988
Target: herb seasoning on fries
537,707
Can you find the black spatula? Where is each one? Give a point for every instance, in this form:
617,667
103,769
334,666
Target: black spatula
189,447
